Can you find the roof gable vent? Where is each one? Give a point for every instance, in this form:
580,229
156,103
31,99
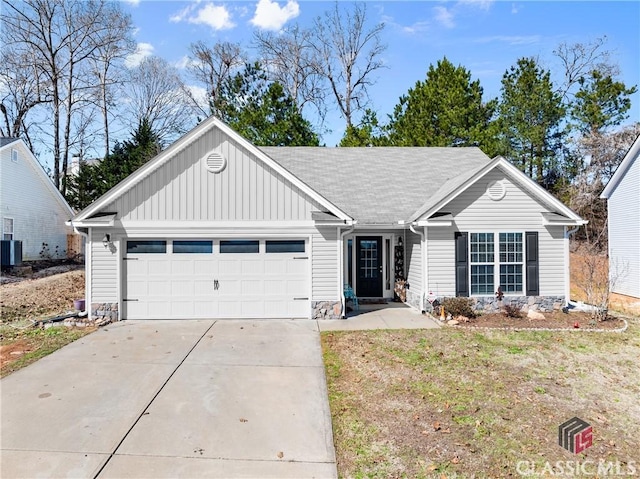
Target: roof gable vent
215,162
496,190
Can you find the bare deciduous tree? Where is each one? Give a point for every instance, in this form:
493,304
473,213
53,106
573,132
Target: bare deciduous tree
289,59
580,59
60,36
155,92
347,55
212,66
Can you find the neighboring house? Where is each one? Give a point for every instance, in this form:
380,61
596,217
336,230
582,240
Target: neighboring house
623,205
32,209
217,227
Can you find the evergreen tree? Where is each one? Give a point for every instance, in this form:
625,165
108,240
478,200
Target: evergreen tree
445,110
531,115
262,112
92,181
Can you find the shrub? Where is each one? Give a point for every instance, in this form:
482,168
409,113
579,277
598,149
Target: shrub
459,307
511,311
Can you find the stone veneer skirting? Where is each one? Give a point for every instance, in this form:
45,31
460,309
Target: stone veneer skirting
413,299
326,310
524,303
103,313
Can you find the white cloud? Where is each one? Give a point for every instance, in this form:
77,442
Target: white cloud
270,16
514,8
183,63
417,27
199,94
482,4
444,17
143,50
214,16
134,3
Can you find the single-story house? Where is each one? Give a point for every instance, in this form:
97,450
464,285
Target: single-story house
623,206
217,227
33,210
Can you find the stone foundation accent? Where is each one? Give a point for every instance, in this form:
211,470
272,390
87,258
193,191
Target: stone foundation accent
326,310
103,313
524,303
413,299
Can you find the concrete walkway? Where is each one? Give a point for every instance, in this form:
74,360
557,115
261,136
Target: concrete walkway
168,399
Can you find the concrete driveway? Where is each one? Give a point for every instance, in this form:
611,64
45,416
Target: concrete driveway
168,399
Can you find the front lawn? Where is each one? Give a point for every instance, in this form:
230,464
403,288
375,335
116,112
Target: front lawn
423,403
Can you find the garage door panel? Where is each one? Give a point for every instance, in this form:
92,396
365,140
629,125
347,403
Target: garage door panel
182,267
159,267
252,266
182,285
252,287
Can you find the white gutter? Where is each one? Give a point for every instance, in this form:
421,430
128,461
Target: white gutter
87,268
424,265
341,235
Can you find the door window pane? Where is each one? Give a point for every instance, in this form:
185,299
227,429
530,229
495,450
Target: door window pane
137,247
192,246
285,246
239,246
369,258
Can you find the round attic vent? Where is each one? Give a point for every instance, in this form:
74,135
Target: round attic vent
496,190
215,162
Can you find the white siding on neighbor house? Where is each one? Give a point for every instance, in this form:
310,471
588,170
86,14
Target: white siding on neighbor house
184,190
324,267
624,233
104,268
474,211
38,214
413,255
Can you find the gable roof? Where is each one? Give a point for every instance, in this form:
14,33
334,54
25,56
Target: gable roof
452,189
379,185
37,168
623,167
164,156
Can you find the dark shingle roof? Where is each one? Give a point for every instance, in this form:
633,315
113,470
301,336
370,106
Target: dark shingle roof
380,185
5,141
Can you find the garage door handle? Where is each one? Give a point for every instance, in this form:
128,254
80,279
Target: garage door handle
300,257
129,300
300,299
216,285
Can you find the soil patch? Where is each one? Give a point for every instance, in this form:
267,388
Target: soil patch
552,320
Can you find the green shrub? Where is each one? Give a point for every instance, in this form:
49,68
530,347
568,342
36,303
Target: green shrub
459,307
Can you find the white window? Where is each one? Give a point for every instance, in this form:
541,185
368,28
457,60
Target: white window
14,155
7,228
508,262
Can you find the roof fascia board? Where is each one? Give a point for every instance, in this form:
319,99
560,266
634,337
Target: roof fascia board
519,177
536,190
424,215
180,144
625,164
35,165
283,171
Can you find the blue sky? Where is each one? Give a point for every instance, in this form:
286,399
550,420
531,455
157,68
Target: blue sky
484,36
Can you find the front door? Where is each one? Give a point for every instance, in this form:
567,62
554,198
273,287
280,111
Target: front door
369,266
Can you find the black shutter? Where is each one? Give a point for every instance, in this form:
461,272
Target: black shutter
533,273
462,264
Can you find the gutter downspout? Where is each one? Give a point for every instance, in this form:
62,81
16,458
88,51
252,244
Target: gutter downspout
341,235
424,266
567,261
87,269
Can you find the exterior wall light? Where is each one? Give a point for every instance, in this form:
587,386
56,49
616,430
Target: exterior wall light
106,240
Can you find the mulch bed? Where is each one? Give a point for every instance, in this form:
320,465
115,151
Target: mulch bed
553,320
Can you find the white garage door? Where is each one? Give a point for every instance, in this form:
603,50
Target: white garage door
183,279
